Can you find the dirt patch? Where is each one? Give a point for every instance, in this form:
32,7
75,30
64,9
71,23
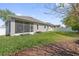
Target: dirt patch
65,48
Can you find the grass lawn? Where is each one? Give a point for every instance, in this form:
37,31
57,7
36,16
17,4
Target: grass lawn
10,44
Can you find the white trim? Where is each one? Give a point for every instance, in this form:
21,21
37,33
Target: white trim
17,34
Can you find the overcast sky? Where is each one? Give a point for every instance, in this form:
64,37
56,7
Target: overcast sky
34,10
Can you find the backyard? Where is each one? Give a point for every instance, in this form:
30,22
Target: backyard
13,45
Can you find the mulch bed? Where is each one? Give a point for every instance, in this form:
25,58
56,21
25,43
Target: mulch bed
65,48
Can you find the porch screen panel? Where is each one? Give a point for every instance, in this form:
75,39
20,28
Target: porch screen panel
27,28
31,28
18,27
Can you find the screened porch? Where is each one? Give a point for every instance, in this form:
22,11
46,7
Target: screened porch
22,27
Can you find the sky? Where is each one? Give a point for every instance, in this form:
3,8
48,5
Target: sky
36,10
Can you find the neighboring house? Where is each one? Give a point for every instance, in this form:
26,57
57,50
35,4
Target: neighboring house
2,30
18,25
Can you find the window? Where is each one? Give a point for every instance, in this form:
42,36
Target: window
44,26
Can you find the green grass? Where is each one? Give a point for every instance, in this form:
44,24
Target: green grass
10,44
71,34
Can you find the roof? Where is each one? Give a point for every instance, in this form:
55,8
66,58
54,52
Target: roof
31,19
28,18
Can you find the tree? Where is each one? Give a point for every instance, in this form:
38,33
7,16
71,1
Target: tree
71,14
5,13
72,19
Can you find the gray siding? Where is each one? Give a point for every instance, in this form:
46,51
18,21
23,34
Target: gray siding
10,27
40,28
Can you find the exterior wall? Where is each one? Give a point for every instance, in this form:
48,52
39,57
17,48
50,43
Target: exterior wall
10,27
34,28
41,28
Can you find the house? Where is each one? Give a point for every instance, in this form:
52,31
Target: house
18,25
